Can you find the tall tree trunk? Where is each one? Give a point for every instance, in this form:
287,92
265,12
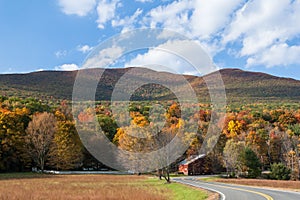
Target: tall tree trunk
159,174
166,174
42,163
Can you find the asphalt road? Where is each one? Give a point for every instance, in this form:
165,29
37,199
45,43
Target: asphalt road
235,192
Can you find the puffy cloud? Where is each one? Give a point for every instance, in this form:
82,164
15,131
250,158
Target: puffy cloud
253,29
175,56
77,7
277,55
67,67
106,11
159,60
193,18
200,20
209,17
265,16
84,48
172,16
264,29
103,58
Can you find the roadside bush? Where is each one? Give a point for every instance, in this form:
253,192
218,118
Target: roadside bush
280,172
250,162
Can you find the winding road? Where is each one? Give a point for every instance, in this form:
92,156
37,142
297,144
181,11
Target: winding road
237,192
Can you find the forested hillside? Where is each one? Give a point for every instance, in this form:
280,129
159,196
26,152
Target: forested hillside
261,128
241,86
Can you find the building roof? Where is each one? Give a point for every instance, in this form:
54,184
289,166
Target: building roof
191,159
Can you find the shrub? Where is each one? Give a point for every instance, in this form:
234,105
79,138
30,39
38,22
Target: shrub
280,172
251,162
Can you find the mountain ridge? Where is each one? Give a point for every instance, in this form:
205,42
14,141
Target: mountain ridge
240,85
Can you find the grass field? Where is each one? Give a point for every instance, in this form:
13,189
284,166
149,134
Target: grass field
39,186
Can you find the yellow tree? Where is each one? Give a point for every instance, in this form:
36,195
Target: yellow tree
13,155
66,149
144,137
135,138
234,129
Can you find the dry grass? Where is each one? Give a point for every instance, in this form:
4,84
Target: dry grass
80,187
110,187
294,185
213,196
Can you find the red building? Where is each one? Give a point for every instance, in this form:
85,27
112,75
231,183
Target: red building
195,165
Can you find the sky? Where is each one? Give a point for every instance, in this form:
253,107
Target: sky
252,35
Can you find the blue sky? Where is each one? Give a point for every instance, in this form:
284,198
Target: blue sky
58,34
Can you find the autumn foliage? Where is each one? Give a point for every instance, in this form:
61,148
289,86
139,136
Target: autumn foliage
267,133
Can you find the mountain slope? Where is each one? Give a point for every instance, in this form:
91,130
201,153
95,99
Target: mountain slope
259,86
240,85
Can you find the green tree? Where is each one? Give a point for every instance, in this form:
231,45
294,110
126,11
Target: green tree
108,126
251,162
280,172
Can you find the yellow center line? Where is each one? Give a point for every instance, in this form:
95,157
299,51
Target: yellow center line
240,189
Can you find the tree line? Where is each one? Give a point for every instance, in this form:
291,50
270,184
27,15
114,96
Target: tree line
32,134
254,138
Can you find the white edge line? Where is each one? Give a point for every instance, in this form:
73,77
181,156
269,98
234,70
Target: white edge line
258,188
206,188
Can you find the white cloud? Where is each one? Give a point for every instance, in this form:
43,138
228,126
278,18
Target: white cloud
67,67
77,7
198,19
173,16
144,1
277,55
255,43
264,27
257,29
253,29
209,17
260,16
128,22
84,48
60,53
106,11
159,60
175,56
103,58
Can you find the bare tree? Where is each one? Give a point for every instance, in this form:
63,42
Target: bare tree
40,133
